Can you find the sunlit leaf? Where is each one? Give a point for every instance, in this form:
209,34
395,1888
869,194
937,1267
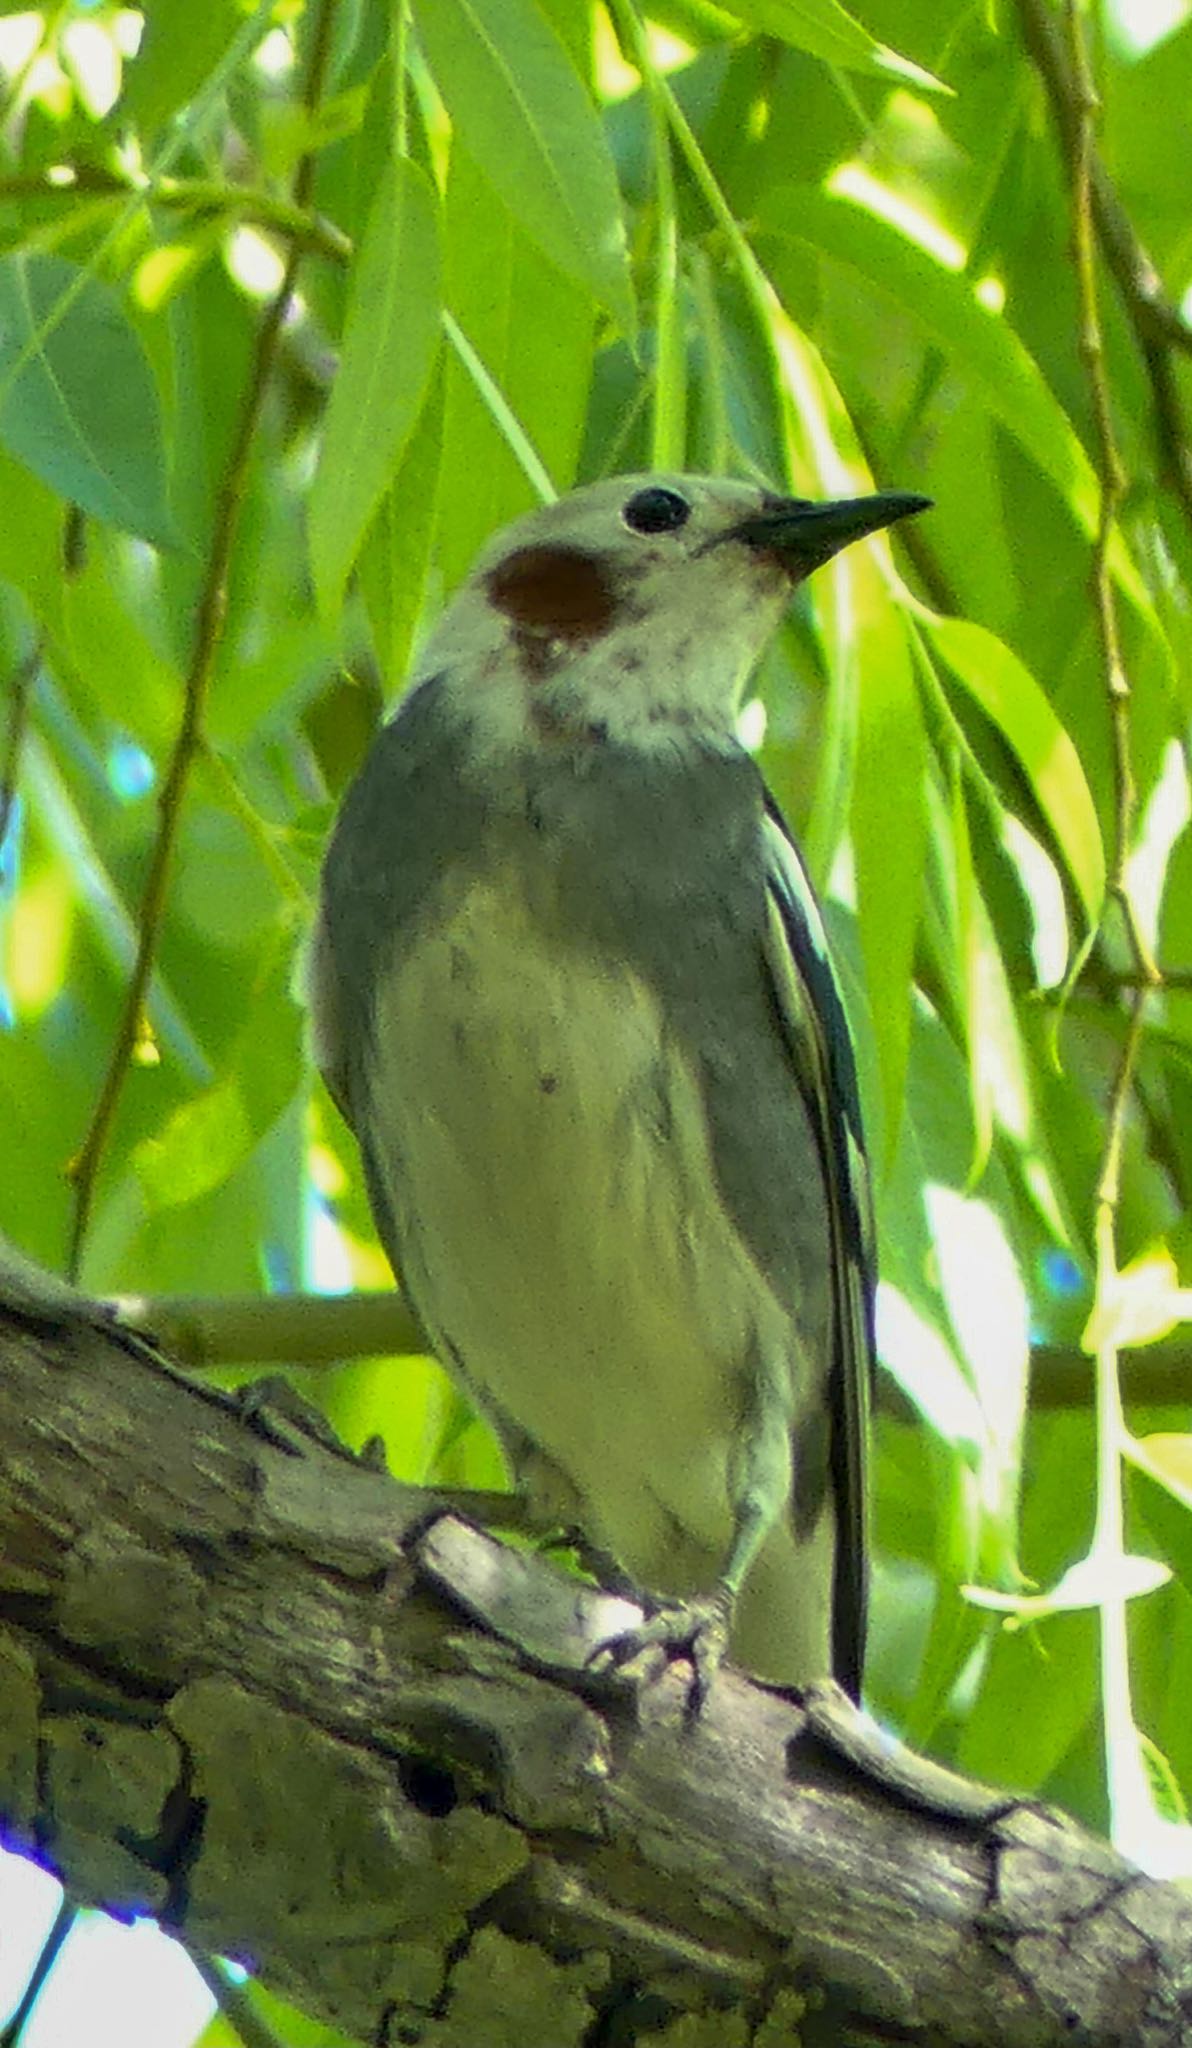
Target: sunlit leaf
973,946
391,336
889,843
1140,1304
987,1306
1087,1584
1009,695
826,30
512,90
1167,1456
980,344
928,1371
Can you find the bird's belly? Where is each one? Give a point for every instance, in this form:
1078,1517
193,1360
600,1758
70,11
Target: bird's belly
544,1145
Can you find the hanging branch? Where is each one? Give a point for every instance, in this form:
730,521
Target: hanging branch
1126,1778
1159,327
212,612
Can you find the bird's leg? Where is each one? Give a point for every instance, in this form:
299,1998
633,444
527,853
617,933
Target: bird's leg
697,1628
700,1627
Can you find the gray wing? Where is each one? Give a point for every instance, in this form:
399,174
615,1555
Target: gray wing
820,1048
401,824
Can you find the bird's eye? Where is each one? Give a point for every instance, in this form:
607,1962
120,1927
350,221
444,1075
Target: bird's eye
656,510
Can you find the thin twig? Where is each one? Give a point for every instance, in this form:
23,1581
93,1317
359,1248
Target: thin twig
1107,977
1159,326
16,726
212,611
205,198
1113,488
51,1949
1124,1770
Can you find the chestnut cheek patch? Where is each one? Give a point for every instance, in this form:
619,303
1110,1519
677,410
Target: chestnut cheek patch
560,593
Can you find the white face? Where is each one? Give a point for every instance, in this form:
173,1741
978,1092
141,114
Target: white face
625,611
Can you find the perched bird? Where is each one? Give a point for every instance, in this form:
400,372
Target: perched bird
571,990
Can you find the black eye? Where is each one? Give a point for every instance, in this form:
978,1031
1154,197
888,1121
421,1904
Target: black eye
656,510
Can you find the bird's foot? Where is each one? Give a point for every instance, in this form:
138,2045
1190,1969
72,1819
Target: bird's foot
697,1629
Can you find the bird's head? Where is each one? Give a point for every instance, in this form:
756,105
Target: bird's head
635,607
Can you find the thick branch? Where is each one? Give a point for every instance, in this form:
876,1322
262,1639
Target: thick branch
256,1688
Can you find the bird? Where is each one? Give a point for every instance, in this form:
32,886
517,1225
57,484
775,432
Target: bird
570,986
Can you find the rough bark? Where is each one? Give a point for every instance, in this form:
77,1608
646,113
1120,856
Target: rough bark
310,1719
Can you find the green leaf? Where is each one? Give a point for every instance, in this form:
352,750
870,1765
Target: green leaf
978,343
180,45
396,553
1008,694
391,338
523,111
93,639
982,1285
203,1142
78,403
532,329
1161,1482
824,29
1140,1304
889,832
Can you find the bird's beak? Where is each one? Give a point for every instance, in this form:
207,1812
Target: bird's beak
805,535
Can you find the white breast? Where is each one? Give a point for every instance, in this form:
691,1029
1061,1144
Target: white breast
549,1168
547,1160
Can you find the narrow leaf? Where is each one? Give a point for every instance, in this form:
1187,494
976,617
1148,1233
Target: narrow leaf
180,46
396,553
825,29
1010,697
978,343
205,1140
1167,1457
982,1285
78,404
391,336
1139,1305
889,829
1088,1584
523,111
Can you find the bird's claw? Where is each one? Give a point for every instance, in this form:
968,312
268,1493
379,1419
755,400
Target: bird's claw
697,1629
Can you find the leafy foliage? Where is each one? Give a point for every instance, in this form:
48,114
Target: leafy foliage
538,243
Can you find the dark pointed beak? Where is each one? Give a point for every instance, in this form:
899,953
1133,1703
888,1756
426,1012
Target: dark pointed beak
805,535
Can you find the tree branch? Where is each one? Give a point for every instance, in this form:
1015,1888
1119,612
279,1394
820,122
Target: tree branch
209,1332
305,1718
